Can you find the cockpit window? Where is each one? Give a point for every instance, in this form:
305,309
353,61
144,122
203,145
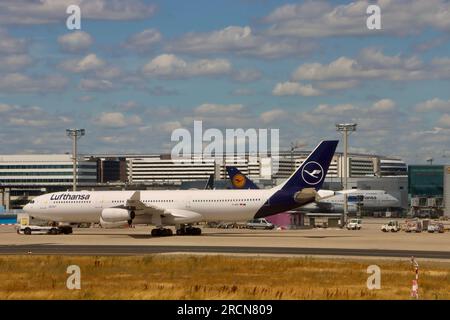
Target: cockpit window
32,201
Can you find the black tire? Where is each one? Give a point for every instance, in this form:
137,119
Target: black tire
53,231
168,232
66,230
27,231
156,233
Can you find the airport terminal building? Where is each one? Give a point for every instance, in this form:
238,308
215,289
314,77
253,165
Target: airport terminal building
24,176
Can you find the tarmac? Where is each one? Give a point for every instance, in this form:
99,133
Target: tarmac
370,241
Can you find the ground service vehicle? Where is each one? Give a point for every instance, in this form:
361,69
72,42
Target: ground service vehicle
391,226
436,227
259,224
30,229
413,226
354,224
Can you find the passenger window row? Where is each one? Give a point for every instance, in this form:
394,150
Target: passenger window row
225,200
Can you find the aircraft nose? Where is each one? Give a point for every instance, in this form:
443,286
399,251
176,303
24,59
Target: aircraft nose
394,200
27,207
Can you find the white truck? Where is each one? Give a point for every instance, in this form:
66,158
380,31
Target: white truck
354,224
436,227
391,226
24,227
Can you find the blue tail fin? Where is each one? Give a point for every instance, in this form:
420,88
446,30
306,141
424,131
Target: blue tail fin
239,180
312,172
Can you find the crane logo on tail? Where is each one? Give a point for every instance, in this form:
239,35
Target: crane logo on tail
312,173
239,181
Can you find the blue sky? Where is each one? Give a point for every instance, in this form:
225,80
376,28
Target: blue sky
137,70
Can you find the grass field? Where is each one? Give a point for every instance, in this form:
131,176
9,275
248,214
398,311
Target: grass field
216,277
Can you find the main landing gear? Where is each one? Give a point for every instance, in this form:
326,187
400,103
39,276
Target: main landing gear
162,232
183,230
189,230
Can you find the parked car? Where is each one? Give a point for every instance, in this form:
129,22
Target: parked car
259,224
354,224
436,227
391,226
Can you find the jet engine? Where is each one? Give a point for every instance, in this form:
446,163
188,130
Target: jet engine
113,225
117,215
305,195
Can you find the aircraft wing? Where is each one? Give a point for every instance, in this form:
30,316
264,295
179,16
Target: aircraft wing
170,215
140,208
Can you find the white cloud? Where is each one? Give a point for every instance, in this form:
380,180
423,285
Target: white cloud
5,107
211,108
30,116
88,63
53,11
14,62
108,72
85,98
444,121
273,115
143,41
18,82
243,92
169,126
96,85
434,104
341,68
75,41
117,139
372,64
10,45
336,109
295,88
313,19
247,75
373,57
29,122
383,105
241,41
171,67
338,85
117,120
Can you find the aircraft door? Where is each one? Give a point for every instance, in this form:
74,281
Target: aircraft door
98,202
43,205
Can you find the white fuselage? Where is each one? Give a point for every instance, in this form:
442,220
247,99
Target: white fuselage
370,200
204,205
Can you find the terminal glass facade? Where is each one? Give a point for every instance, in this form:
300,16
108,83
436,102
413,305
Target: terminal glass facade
426,180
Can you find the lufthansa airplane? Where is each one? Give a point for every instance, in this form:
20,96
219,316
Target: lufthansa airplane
184,207
329,201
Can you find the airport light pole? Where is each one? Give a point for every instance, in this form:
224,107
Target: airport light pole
294,146
75,134
346,129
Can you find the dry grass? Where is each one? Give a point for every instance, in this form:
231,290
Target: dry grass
215,277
